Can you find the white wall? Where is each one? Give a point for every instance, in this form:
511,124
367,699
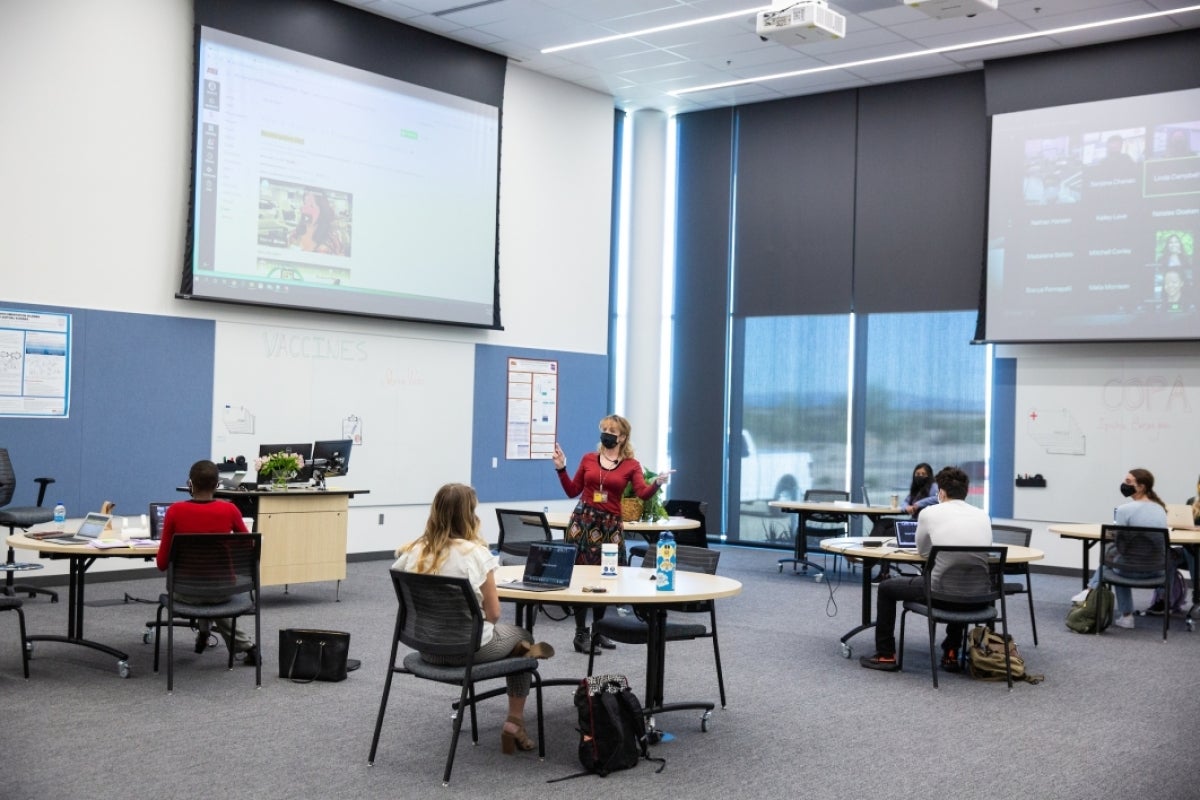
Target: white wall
95,148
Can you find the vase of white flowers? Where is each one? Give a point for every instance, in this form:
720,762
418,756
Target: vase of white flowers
281,467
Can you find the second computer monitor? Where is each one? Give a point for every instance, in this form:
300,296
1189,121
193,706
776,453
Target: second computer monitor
336,454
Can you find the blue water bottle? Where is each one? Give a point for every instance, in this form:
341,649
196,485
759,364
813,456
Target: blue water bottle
60,514
664,573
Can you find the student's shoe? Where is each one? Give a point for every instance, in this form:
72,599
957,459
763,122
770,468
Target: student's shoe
950,661
1156,609
583,643
201,641
880,661
532,650
251,659
606,643
1123,621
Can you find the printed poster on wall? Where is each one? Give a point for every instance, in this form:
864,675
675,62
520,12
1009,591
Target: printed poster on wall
532,420
35,364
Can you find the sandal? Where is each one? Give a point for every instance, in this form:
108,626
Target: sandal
524,649
513,737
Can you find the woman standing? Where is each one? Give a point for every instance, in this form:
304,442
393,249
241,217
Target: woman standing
451,545
599,483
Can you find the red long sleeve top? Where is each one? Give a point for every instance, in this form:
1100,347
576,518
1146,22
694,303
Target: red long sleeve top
591,478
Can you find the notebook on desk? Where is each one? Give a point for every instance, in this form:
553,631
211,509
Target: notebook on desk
549,567
1179,516
906,534
89,530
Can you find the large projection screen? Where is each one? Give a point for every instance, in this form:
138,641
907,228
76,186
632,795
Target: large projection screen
1094,209
322,186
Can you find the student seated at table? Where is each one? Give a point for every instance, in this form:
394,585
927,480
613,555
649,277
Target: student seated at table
1145,509
951,522
922,493
204,514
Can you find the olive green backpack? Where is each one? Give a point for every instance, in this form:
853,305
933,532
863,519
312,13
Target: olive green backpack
1098,605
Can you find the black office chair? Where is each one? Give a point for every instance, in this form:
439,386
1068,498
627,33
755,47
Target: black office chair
1015,535
970,586
1137,550
221,568
818,524
695,537
23,517
440,615
14,604
633,629
517,529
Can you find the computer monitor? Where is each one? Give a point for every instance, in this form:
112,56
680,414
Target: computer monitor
335,453
303,449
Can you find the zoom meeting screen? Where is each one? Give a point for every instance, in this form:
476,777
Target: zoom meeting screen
1094,210
323,186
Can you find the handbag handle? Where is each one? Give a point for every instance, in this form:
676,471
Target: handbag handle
296,654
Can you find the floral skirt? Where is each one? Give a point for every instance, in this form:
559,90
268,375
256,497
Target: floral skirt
591,527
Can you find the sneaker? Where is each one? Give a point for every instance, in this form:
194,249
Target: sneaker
881,662
1123,621
1155,610
606,643
950,662
251,659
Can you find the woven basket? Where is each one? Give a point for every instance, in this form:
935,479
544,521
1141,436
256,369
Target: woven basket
631,509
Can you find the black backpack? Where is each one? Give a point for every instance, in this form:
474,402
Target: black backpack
612,728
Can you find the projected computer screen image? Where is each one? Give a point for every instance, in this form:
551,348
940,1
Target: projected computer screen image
1094,210
335,453
323,186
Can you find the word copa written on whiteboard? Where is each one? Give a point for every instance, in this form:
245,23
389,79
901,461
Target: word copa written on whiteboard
1157,393
313,346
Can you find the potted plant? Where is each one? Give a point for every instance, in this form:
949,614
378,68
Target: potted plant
281,467
634,508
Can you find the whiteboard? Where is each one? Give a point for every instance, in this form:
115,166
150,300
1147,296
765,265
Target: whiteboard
412,397
1084,419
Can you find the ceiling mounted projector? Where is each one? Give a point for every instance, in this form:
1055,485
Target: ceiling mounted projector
799,22
945,9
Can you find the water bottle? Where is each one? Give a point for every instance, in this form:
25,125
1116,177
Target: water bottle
60,514
664,574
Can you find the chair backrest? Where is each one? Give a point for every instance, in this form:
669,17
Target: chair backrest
696,559
518,528
966,575
1013,535
438,614
214,565
690,509
1135,549
824,519
8,481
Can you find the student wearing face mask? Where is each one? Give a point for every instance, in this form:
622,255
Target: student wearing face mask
922,492
599,483
1144,509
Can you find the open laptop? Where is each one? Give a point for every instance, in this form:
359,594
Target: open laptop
906,534
549,567
1179,516
89,531
158,512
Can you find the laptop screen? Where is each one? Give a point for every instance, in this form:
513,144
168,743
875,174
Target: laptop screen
550,562
906,533
158,512
93,525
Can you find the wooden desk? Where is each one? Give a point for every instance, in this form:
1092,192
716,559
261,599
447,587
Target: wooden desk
1089,533
802,509
853,547
82,556
635,586
303,532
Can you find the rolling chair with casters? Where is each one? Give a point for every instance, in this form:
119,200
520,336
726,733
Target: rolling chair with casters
633,628
14,604
972,588
440,615
821,524
1015,535
688,509
1141,550
23,517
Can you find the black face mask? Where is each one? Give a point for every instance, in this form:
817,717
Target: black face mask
1127,490
609,440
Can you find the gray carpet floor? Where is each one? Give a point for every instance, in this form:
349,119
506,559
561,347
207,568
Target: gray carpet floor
1117,716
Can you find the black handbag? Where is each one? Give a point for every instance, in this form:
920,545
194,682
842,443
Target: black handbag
311,655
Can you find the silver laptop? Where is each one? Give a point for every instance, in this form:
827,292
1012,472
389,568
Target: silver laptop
906,534
1179,516
548,568
89,531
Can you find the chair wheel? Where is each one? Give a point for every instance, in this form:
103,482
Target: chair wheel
847,651
704,721
123,669
820,576
146,634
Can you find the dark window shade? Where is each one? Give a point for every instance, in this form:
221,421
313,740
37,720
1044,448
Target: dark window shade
922,178
697,434
1148,65
795,206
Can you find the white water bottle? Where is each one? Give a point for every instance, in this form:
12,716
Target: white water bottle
60,514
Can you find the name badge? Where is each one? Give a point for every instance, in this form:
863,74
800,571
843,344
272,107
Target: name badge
600,496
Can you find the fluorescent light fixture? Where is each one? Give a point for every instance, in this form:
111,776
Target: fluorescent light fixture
647,31
935,50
